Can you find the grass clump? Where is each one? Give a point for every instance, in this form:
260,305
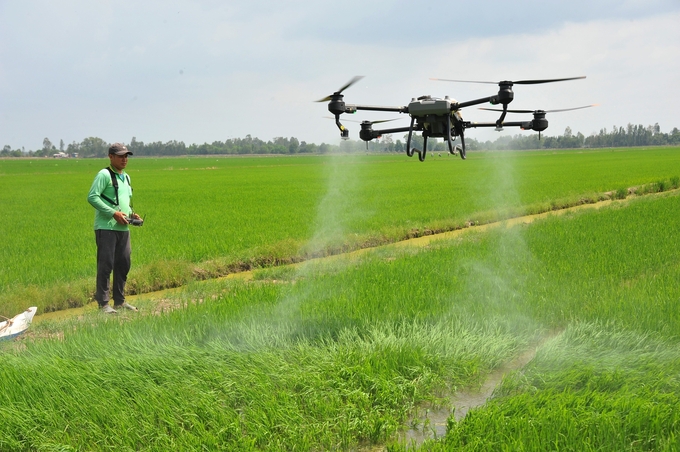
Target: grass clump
621,193
675,182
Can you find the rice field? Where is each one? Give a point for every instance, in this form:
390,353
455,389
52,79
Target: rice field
349,353
207,217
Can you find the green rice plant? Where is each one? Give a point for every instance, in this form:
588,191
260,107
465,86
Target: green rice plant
657,187
593,388
621,193
209,216
675,182
338,354
234,373
662,186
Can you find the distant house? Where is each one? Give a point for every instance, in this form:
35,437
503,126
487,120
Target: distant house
60,155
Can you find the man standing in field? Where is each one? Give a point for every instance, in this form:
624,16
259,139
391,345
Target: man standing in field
111,197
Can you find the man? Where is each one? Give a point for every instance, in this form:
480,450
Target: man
113,212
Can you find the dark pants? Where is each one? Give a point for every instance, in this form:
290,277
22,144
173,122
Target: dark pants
113,254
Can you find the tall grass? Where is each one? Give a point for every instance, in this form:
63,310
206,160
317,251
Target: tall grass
230,375
594,388
335,356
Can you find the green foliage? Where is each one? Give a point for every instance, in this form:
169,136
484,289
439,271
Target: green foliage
206,217
240,372
595,388
621,193
630,136
336,356
675,182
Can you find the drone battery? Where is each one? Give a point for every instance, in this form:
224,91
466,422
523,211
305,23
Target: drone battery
429,106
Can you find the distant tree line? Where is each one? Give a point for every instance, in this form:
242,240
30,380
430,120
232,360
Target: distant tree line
632,135
231,146
629,136
97,147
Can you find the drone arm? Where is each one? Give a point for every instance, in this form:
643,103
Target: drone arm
493,124
492,99
378,108
368,134
395,130
524,125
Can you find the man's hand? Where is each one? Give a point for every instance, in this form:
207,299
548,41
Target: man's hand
120,217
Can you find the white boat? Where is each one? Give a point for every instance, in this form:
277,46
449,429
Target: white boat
13,327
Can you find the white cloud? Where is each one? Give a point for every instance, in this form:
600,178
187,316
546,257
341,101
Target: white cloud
205,71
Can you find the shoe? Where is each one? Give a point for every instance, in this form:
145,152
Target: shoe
127,306
106,309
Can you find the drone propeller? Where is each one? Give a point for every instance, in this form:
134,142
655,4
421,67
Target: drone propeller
338,92
539,123
367,122
541,111
516,82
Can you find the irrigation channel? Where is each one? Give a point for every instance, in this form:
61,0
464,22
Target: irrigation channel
431,422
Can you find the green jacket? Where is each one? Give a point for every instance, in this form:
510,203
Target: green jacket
103,209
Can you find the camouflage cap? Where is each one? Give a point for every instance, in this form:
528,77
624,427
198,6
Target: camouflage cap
119,149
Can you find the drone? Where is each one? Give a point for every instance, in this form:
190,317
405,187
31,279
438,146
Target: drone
442,118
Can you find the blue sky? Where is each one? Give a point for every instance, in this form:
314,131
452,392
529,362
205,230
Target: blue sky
200,71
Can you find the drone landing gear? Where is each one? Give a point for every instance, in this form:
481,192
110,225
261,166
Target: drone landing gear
421,154
409,149
457,150
460,130
449,139
462,146
453,150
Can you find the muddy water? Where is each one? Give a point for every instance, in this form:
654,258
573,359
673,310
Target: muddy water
432,423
